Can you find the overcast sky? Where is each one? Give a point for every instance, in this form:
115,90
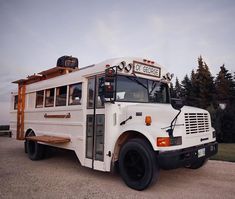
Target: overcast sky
33,34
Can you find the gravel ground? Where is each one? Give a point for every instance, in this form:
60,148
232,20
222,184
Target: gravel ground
60,175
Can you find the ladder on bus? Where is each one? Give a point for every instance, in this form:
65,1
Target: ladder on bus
20,111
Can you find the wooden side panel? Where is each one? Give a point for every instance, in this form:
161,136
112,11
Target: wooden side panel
20,111
49,139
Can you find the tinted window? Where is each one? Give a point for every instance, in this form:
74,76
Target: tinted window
16,102
50,93
39,99
158,92
100,80
91,93
61,96
131,89
75,94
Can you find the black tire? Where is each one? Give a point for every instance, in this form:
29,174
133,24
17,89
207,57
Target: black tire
29,132
198,164
35,151
138,165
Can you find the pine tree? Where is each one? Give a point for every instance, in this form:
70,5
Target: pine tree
177,89
225,88
224,85
202,85
187,90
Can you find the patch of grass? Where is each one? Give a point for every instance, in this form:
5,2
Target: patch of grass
226,152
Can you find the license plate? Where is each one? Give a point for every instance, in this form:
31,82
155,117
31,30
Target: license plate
201,153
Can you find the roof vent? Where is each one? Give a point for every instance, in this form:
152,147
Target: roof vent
67,61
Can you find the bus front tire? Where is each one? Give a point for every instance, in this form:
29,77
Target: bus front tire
138,165
35,151
198,164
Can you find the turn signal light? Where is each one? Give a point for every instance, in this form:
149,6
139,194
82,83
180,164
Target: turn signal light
163,141
148,120
167,141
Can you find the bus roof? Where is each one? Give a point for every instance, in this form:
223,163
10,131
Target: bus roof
127,65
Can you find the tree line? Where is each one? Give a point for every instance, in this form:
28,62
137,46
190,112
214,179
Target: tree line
215,94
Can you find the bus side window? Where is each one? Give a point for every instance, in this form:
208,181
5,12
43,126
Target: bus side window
15,102
50,93
39,99
75,94
61,96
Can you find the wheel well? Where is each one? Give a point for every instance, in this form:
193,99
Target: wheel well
29,131
124,138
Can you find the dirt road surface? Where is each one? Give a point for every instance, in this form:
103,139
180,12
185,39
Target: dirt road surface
60,175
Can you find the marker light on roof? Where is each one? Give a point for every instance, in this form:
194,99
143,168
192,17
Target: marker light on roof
128,67
148,61
121,65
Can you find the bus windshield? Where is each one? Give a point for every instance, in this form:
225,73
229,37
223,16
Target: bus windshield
135,89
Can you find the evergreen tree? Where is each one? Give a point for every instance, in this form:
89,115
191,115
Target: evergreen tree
194,90
178,89
202,85
224,85
187,90
225,119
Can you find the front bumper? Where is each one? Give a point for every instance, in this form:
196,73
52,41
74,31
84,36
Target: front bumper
184,157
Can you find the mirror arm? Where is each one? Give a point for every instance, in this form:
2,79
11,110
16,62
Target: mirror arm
172,126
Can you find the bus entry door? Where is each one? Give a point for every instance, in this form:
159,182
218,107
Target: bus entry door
95,127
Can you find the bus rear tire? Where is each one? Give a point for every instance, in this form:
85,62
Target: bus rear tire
138,165
35,151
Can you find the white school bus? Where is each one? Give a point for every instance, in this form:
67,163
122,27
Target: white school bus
114,114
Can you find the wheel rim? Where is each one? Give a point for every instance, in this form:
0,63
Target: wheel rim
134,165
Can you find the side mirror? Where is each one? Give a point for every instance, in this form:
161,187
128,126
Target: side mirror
177,103
108,91
106,87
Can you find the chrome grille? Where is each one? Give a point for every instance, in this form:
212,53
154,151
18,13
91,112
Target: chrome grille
196,123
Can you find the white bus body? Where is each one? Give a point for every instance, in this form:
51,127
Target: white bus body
98,133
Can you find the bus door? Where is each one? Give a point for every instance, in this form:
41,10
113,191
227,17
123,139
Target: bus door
95,126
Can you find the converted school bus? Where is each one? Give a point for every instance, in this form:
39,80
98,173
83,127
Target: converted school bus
117,112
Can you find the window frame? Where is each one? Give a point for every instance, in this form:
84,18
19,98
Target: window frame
53,105
70,94
56,96
167,92
97,92
43,101
15,105
93,98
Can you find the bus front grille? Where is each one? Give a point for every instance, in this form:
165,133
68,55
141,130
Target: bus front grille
196,123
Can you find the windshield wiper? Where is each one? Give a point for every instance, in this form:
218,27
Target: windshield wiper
137,81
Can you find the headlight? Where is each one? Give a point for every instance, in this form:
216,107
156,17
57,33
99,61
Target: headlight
167,141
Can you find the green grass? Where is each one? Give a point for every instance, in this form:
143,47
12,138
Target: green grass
226,152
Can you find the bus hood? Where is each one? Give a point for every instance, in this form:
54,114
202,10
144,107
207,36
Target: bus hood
193,124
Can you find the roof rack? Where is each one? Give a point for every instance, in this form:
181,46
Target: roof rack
47,74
